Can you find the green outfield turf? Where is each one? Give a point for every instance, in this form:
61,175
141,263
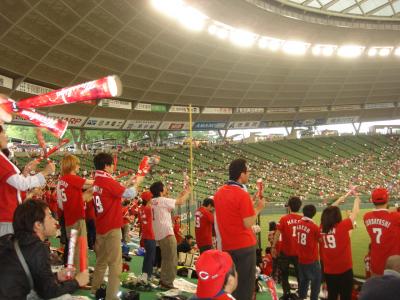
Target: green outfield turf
359,238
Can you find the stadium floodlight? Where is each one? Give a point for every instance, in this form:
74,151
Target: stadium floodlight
385,51
372,51
212,29
242,38
263,43
171,8
192,19
274,44
397,51
222,33
350,51
295,47
317,50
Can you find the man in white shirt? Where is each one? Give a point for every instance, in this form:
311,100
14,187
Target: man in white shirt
163,230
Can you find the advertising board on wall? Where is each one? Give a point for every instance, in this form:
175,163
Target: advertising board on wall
104,123
141,124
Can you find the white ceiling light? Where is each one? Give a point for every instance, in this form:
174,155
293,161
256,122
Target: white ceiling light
295,48
372,52
274,44
242,38
385,51
192,18
350,51
170,8
212,29
263,43
317,50
222,33
328,50
397,51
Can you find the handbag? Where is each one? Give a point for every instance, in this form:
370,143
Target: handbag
32,293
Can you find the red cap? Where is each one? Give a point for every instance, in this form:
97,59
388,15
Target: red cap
380,196
211,268
146,196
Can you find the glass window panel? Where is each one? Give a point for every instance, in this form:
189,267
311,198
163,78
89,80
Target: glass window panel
371,5
396,6
341,5
356,11
314,4
387,11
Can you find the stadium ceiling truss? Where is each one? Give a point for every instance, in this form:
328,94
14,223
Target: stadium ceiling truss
165,67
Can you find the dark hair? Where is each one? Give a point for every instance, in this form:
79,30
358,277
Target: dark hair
207,202
156,188
237,167
188,237
294,204
309,211
330,217
268,250
272,226
26,214
102,160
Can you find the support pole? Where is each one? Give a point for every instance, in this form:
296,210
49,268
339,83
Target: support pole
191,168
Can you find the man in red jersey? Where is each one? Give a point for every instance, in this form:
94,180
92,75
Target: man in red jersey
234,218
307,251
286,230
12,183
107,197
204,221
217,277
146,225
383,227
69,194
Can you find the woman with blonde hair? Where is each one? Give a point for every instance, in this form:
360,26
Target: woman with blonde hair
71,199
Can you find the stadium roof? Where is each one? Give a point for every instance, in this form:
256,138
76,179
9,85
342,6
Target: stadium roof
307,82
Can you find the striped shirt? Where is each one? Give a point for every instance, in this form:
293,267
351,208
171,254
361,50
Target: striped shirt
162,221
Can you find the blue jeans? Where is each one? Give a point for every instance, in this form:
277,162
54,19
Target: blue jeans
149,257
309,273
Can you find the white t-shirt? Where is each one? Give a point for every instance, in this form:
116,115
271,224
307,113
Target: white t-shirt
162,221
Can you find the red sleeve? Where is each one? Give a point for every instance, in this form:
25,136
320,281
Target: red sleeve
279,225
246,206
347,224
210,217
115,188
77,181
6,169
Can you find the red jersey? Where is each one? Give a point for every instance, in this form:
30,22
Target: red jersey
107,193
287,227
203,220
232,205
146,222
367,263
266,267
69,192
8,194
53,202
307,241
177,233
336,248
384,231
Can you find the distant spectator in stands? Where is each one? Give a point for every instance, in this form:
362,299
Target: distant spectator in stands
186,246
12,183
386,286
234,218
164,232
33,224
204,222
217,276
